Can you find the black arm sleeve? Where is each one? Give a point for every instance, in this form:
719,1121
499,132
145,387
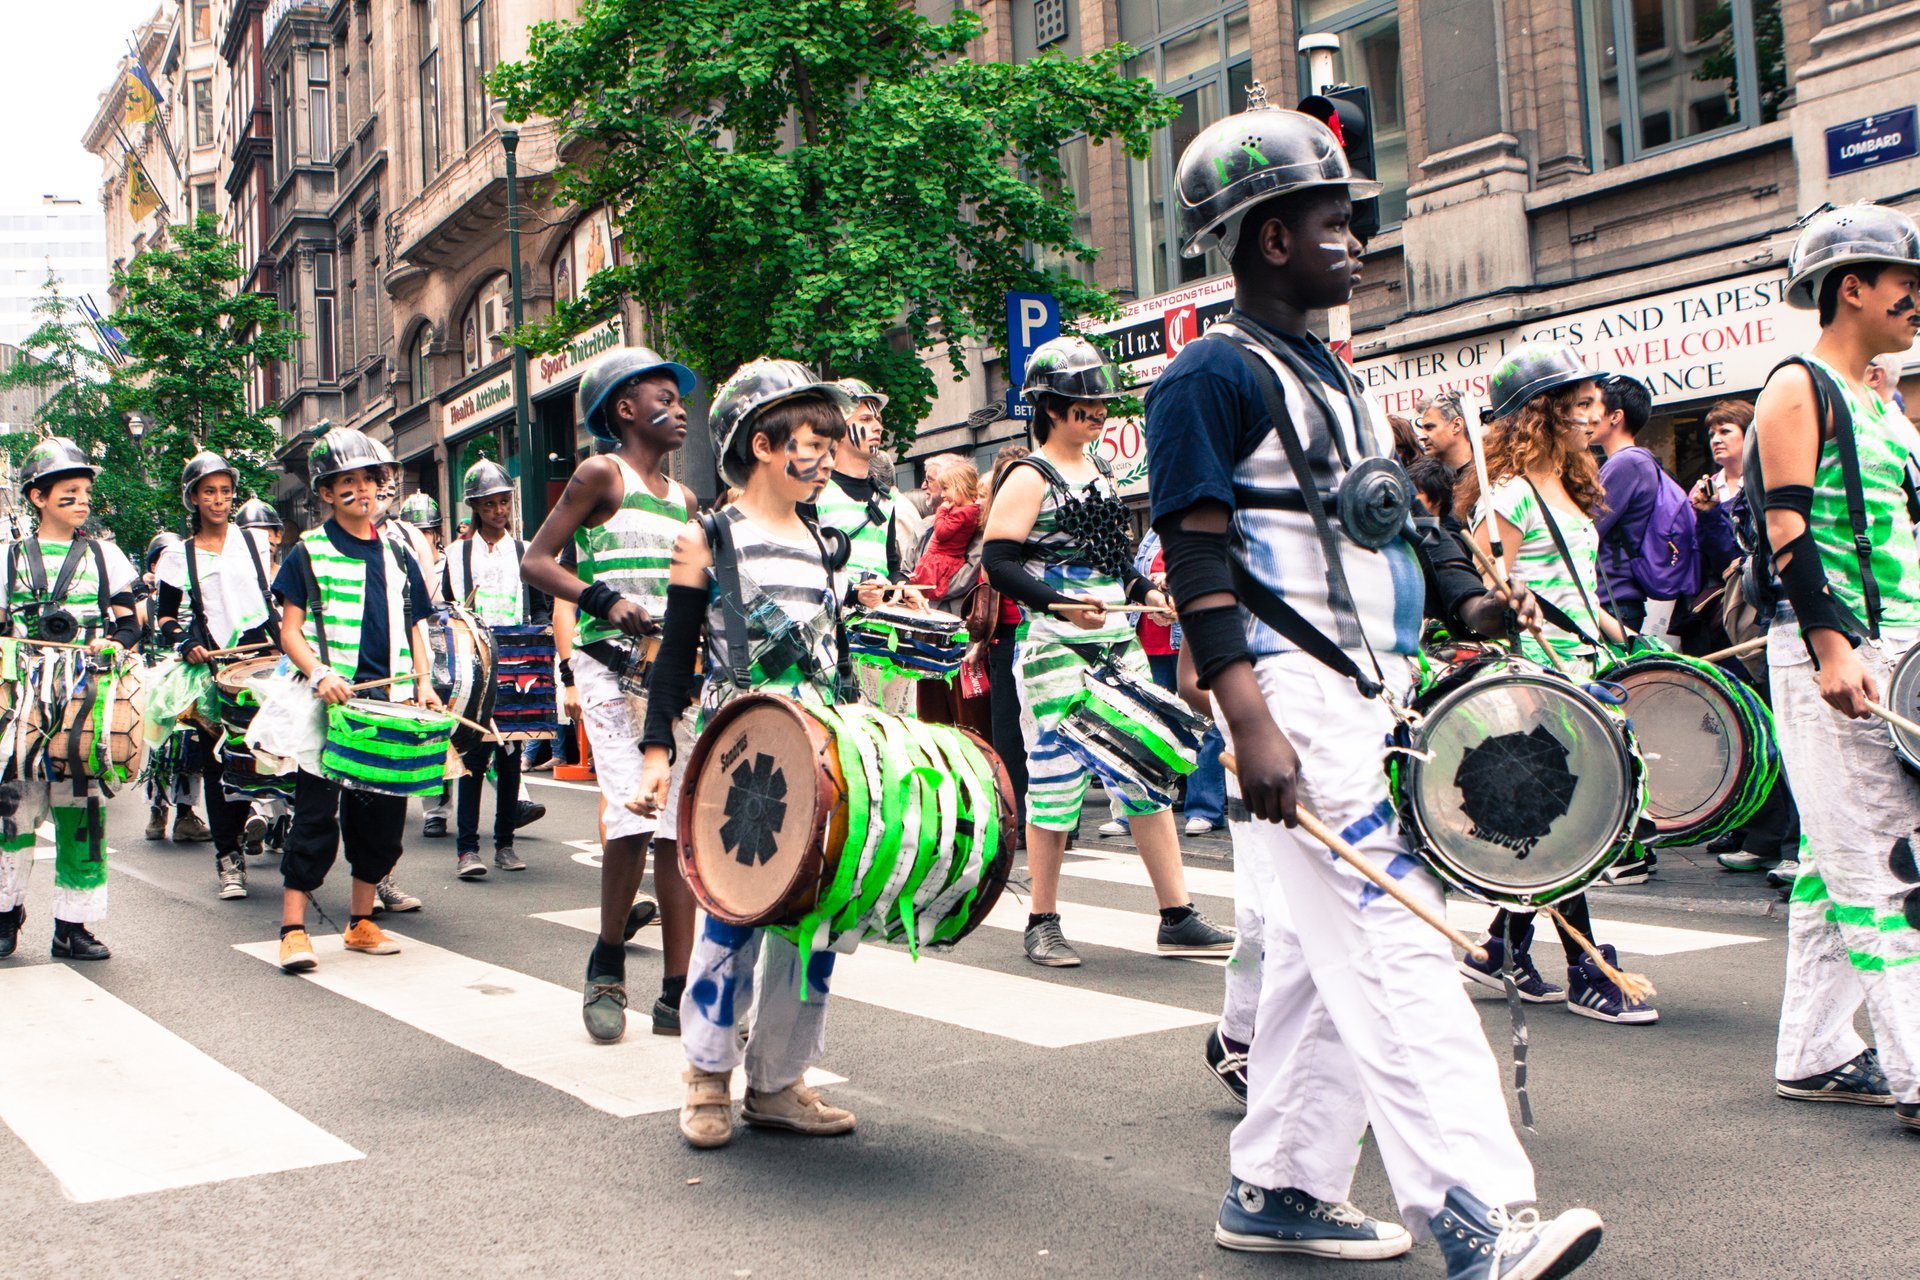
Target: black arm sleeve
1199,564
1805,583
670,688
166,624
1001,558
1136,584
126,631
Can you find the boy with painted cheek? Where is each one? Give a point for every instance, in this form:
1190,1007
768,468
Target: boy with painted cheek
57,481
346,593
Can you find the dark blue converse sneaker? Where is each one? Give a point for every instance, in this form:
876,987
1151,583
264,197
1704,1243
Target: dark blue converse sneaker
1858,1080
1592,994
1256,1220
1534,989
1228,1064
1483,1243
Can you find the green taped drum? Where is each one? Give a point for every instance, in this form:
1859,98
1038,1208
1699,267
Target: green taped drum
387,747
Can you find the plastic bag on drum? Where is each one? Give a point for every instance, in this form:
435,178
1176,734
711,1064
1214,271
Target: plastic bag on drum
179,692
290,729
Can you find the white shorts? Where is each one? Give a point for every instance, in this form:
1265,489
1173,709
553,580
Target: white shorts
614,721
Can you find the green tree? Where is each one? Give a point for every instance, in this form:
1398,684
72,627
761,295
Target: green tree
1722,62
832,180
73,380
194,340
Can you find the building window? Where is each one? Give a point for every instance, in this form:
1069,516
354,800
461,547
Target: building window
203,111
476,57
1369,55
480,328
319,106
1073,160
1206,68
426,33
1692,69
203,199
201,23
325,336
282,126
422,356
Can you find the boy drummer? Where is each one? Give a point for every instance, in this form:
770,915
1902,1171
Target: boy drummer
774,426
622,512
367,587
62,573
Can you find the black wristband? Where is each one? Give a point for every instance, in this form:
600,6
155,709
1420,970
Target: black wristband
1791,497
1138,585
566,673
126,632
1199,562
671,686
1217,638
598,600
1814,604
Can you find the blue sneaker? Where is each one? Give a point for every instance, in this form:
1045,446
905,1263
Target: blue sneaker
1482,1243
1228,1064
1255,1220
1592,994
1858,1080
1534,989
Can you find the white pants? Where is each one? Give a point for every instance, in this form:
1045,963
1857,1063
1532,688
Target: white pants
613,730
891,693
1253,891
787,1034
1361,1014
1848,938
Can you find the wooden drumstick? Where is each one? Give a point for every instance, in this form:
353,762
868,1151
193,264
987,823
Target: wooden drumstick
245,648
1386,884
1740,650
380,684
1895,719
1075,606
1636,986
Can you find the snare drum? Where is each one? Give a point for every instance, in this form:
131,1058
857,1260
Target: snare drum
238,701
1516,785
824,822
1132,732
1903,698
526,683
463,664
1711,752
241,773
388,747
920,643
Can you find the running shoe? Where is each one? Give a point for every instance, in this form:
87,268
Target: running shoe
1485,1242
1200,826
392,897
233,876
1592,994
1229,1065
1047,945
1193,935
253,836
1858,1080
368,938
1783,875
1632,869
1741,860
507,860
74,942
797,1109
1533,987
1907,1115
469,867
528,812
434,828
1115,830
1255,1220
10,922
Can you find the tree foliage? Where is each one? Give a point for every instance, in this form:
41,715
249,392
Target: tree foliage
831,180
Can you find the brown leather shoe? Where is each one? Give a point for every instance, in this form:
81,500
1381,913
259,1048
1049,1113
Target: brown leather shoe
706,1117
796,1108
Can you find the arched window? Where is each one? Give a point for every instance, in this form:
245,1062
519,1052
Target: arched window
420,361
482,325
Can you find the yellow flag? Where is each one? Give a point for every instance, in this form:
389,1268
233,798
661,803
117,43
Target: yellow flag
139,101
142,199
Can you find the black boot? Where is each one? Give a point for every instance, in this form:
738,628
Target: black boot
10,922
72,942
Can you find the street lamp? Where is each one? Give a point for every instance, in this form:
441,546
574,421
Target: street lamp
533,469
136,426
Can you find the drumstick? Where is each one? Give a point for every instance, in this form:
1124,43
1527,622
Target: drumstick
1636,986
1894,718
1740,650
1381,881
380,684
245,648
1493,569
1067,606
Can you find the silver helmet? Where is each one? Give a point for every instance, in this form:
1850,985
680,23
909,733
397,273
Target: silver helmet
420,511
613,371
1532,370
54,458
1071,367
484,479
1839,237
756,385
861,389
344,449
255,514
199,467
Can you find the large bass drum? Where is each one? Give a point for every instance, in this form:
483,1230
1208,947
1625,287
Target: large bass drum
1517,786
1711,752
829,822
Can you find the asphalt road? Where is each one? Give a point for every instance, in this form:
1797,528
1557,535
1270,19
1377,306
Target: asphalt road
979,1152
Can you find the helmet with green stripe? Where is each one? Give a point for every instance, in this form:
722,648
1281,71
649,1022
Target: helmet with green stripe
421,511
55,458
1533,370
484,479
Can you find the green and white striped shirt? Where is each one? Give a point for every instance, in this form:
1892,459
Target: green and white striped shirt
83,597
633,551
1883,447
1539,565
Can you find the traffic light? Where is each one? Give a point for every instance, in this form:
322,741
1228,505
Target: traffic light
1348,111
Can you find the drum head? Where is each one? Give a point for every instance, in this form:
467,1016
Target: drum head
237,676
755,808
1694,742
1904,697
1530,790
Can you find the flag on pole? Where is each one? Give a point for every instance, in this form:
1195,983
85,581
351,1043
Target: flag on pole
142,199
111,341
143,100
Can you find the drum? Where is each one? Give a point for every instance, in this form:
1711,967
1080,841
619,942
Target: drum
1133,732
1516,785
100,734
241,773
238,701
920,643
1903,698
388,747
463,663
1709,743
825,822
526,683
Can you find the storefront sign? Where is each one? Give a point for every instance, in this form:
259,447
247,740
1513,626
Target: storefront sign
490,399
544,373
1699,343
1862,144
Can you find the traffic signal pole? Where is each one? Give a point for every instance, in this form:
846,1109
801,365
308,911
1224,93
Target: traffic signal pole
1319,49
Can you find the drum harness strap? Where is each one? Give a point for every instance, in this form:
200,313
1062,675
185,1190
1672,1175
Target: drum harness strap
272,625
77,684
733,608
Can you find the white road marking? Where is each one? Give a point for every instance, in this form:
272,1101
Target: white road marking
527,1025
116,1105
1120,868
588,853
1051,1015
555,782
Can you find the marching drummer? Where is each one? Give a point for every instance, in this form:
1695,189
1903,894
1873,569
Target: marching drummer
620,514
213,581
70,587
1058,540
263,529
416,523
346,594
759,570
1361,1017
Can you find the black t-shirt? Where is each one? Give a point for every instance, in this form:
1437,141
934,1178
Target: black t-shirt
290,587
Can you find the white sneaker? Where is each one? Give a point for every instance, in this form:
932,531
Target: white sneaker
1784,875
1201,826
1115,830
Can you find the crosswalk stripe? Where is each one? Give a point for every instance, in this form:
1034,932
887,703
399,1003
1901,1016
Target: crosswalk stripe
1049,1015
116,1105
1469,916
527,1025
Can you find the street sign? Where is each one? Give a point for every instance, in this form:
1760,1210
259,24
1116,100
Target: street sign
1876,140
1032,318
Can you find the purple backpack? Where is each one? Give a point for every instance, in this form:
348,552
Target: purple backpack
1666,564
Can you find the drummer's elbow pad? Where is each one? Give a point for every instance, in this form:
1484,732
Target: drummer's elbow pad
1199,562
1805,581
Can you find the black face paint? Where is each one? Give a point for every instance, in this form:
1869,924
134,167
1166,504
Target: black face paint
66,500
1903,306
805,473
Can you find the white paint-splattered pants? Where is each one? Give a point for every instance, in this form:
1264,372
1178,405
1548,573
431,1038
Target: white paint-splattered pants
1850,935
1253,894
788,1034
1361,1014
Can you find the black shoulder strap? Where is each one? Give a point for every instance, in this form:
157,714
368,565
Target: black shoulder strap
100,579
843,653
733,605
472,587
316,605
1831,407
